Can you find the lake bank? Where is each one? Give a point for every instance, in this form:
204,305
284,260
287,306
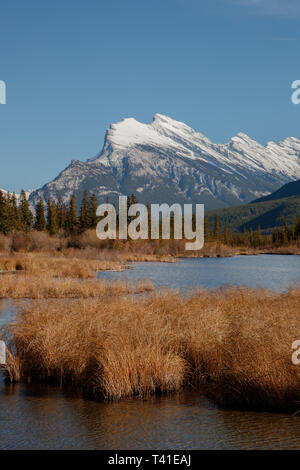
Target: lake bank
56,418
223,341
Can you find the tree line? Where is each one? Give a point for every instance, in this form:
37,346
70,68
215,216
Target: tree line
251,238
57,216
53,217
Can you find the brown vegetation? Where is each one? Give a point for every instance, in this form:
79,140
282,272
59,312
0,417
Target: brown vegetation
234,343
86,246
34,287
58,266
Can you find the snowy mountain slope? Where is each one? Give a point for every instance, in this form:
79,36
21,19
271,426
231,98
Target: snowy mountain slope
168,161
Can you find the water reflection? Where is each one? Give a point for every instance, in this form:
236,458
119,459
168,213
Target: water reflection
41,417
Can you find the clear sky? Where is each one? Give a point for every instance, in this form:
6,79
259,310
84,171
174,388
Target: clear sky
72,67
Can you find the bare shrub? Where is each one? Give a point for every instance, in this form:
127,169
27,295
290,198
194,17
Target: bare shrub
20,242
43,242
5,244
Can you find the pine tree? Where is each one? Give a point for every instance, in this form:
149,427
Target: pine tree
72,219
4,214
206,229
257,237
52,222
16,213
285,232
217,228
297,229
26,215
85,215
40,221
93,206
61,214
11,216
130,201
245,237
226,236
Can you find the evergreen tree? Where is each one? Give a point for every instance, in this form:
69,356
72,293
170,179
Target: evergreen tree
40,222
226,236
16,213
61,214
12,217
5,226
52,222
93,206
217,228
85,214
72,219
206,229
130,201
285,232
26,215
297,229
245,237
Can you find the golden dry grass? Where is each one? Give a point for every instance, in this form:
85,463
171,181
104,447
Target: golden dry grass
58,266
33,287
235,344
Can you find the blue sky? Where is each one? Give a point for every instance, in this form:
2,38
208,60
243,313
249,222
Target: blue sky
72,67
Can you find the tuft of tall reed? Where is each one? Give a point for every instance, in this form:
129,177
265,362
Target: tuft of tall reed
234,344
59,266
34,287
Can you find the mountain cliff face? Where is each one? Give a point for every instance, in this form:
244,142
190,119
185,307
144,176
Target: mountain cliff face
168,161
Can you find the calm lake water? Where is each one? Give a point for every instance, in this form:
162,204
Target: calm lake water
276,272
43,417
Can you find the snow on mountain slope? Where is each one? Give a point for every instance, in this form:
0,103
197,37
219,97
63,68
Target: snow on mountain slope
168,161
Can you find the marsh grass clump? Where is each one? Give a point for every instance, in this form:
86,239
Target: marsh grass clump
94,346
234,344
58,266
34,287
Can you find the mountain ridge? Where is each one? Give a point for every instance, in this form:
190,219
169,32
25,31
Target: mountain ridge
267,215
288,190
168,161
272,211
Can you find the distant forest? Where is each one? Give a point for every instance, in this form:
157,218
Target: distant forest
57,217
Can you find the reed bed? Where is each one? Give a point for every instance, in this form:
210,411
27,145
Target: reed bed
35,287
58,266
81,264
86,245
235,344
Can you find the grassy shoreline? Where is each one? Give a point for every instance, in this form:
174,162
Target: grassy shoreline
234,343
95,337
114,254
35,287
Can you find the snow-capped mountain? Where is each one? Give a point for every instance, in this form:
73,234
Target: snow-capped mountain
168,161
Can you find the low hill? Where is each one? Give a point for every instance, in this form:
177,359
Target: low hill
288,190
267,214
